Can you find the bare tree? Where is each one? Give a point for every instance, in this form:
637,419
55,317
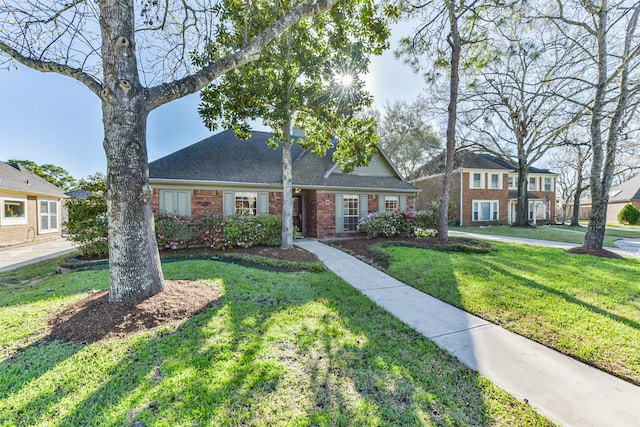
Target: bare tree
571,162
607,36
407,136
135,56
445,26
513,108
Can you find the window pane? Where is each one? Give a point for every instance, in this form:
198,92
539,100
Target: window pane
350,212
486,211
391,203
13,209
494,181
476,180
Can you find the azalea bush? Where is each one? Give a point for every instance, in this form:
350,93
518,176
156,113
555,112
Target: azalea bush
399,223
173,230
251,230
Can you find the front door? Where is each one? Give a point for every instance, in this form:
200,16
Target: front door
297,213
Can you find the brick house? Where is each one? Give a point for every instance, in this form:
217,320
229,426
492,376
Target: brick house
619,195
222,175
30,206
484,190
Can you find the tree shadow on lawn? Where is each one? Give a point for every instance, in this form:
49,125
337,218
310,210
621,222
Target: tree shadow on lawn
302,348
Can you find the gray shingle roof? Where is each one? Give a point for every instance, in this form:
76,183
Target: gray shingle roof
16,178
225,158
627,191
471,160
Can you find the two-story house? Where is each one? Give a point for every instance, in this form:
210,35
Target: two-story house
484,190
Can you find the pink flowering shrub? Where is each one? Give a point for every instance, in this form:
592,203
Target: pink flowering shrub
172,231
398,223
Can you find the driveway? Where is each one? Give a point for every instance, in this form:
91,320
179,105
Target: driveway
12,257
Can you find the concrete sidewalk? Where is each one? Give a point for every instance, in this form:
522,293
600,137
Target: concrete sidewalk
12,257
566,391
626,247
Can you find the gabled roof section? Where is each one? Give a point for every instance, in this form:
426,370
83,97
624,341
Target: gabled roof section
627,191
464,159
14,177
223,158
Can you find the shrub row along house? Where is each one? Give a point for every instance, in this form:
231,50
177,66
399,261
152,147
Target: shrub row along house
30,206
222,175
484,190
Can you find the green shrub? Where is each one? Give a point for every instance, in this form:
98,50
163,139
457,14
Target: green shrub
629,214
399,223
173,231
237,230
88,226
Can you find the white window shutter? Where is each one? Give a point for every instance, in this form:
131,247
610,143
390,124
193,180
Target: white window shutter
403,203
339,213
381,203
263,202
229,203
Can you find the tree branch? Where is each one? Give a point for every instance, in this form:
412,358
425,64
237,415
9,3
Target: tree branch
167,92
54,67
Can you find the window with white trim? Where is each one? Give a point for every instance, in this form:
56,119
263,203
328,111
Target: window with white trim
391,203
485,210
48,216
548,185
495,181
246,203
533,183
176,202
14,211
476,180
540,209
513,184
350,212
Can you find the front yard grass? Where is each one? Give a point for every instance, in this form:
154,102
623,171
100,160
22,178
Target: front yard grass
584,306
291,349
555,233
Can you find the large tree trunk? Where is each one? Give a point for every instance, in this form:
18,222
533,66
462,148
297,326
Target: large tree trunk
575,215
287,188
455,43
522,205
134,261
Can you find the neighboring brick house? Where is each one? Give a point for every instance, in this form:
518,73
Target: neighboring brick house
30,206
484,190
619,196
222,175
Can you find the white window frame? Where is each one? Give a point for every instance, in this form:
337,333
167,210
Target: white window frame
513,182
164,194
251,207
348,212
472,180
498,181
14,220
535,183
544,183
494,210
41,214
389,201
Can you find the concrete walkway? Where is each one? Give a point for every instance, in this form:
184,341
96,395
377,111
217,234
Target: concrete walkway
566,391
12,257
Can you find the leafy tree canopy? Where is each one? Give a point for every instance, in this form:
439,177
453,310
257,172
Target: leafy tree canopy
56,175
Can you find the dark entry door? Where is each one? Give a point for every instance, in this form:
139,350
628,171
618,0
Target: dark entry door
297,213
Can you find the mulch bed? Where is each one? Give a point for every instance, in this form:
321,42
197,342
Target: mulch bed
602,253
95,318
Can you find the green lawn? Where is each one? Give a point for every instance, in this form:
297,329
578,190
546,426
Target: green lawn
291,349
581,305
556,233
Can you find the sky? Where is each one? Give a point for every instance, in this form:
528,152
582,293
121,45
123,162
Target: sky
49,118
